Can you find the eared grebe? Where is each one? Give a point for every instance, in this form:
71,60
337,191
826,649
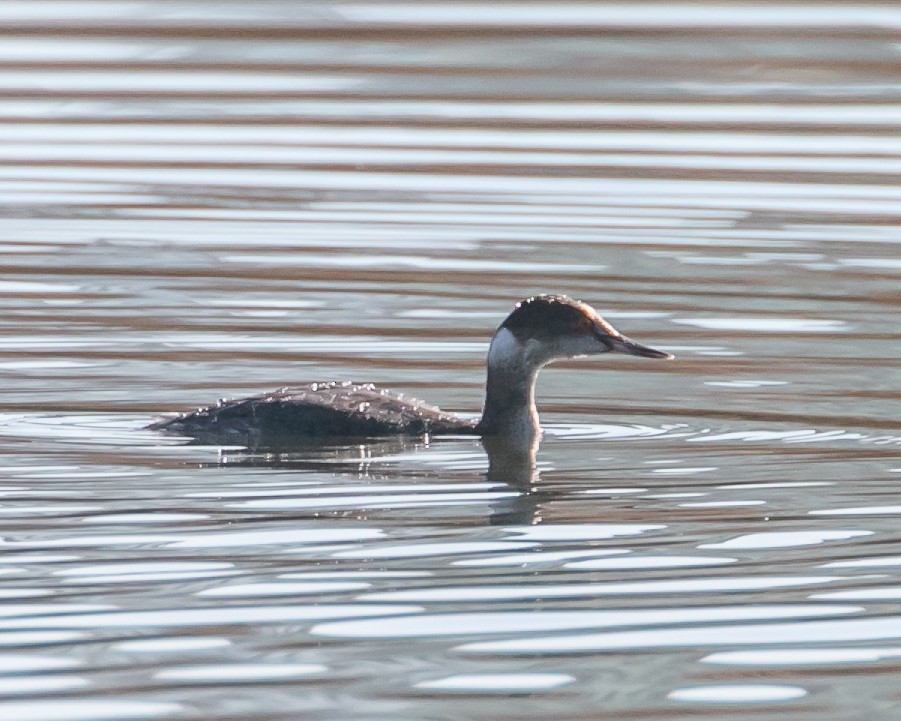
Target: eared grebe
538,331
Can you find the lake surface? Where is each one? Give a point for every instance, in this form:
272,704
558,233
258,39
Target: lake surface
213,199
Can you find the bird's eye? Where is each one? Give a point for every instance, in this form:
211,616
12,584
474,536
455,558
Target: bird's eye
585,325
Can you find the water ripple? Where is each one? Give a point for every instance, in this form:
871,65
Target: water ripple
461,624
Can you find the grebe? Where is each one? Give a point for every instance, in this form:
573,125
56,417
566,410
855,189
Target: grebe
539,330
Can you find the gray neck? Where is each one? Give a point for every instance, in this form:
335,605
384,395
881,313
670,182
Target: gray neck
510,410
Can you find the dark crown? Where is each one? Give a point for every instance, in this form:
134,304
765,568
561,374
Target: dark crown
551,314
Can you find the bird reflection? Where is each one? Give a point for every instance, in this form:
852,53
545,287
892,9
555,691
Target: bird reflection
509,465
516,467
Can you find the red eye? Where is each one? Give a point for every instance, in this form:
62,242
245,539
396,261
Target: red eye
585,325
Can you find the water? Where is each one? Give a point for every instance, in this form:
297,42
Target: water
213,199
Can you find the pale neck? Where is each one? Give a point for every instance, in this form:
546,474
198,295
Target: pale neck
510,409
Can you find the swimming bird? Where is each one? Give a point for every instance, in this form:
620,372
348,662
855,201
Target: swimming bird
540,329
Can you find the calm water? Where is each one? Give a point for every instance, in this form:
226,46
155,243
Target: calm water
202,199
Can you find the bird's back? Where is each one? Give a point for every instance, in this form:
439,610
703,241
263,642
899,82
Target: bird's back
318,410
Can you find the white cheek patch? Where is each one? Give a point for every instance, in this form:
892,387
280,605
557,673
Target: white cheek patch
508,352
505,350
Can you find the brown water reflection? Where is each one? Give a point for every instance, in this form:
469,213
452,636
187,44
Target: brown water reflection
204,199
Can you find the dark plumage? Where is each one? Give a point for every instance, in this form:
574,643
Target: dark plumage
317,410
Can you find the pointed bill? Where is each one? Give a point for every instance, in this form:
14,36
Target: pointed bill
621,344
